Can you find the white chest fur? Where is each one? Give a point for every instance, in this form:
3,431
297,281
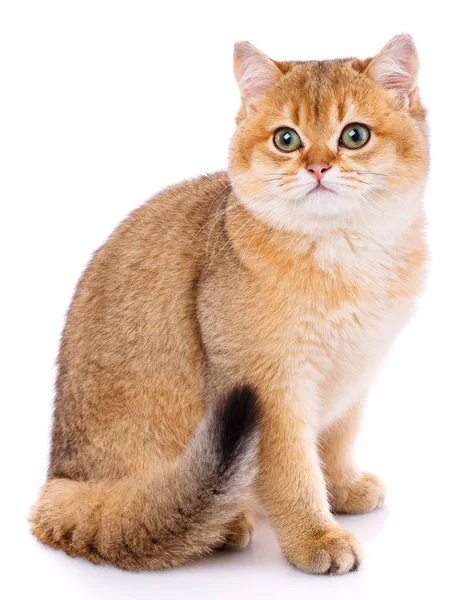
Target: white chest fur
352,351
341,350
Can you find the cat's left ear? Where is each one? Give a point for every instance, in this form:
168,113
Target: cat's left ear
396,67
255,73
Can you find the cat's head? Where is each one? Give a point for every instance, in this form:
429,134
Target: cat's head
319,143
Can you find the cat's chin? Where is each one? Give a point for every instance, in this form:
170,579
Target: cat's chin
308,214
323,203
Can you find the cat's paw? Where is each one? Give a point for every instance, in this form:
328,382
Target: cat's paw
240,531
333,551
362,496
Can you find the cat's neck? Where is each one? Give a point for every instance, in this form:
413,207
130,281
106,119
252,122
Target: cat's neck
349,244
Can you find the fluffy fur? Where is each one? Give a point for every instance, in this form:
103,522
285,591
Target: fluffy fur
253,277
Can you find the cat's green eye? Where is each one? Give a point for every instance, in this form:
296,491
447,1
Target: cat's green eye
354,136
287,140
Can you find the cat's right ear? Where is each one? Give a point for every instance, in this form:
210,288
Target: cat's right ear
254,72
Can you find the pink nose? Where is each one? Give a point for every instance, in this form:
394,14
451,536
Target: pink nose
318,170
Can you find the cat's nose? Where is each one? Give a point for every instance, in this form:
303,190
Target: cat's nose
318,170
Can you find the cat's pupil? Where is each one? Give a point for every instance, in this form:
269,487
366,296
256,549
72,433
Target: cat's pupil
287,138
355,135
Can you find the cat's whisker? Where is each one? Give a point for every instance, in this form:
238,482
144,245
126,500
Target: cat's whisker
214,217
249,243
243,209
272,179
264,237
372,207
258,193
253,219
355,180
369,173
229,241
217,220
276,173
220,192
217,217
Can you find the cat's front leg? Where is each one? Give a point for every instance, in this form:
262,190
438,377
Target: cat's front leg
351,491
293,489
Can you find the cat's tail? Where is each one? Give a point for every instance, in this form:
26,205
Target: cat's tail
168,517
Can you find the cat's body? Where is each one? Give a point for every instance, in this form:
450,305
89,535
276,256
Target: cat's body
194,294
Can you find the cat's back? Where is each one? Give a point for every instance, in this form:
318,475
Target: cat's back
175,213
152,259
160,239
131,336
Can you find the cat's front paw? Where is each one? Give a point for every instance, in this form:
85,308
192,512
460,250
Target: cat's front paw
361,496
332,551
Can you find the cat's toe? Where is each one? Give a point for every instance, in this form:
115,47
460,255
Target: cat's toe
333,551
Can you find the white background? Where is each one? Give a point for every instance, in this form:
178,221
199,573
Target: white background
104,103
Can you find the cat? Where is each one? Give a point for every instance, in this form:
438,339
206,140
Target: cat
220,345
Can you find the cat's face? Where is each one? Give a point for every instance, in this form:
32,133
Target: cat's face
319,142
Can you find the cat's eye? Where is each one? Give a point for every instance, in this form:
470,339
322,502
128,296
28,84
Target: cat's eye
287,140
354,136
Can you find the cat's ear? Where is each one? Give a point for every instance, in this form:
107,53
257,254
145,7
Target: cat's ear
254,72
395,68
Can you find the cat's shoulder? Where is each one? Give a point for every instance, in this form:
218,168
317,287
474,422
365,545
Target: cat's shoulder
206,187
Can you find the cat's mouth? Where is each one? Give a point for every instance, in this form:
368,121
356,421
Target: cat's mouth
320,188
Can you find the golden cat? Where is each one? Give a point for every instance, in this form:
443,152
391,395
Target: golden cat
220,345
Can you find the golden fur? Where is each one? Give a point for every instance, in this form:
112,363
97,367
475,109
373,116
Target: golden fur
249,277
